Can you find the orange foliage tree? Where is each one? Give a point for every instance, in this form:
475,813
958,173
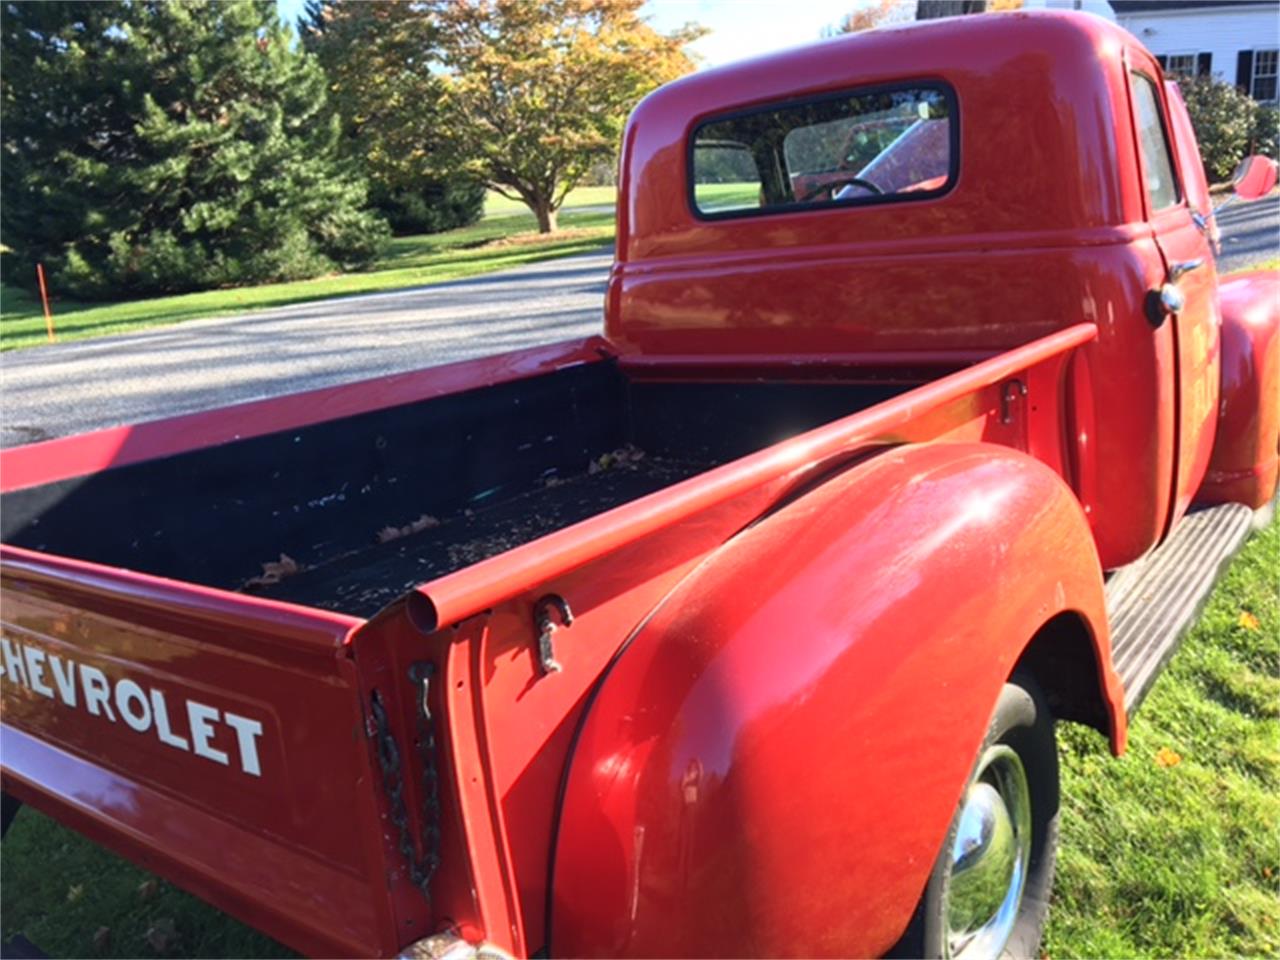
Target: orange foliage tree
536,93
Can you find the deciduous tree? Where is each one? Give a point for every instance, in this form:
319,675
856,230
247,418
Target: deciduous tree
871,15
536,93
378,56
932,9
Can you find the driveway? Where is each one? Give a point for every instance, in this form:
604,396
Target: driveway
69,388
62,389
1250,232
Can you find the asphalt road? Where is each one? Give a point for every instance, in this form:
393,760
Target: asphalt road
61,389
1250,232
69,388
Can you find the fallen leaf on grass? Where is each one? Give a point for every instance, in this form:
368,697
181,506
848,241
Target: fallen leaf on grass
1167,758
102,939
75,892
1266,872
162,935
538,239
1248,621
273,571
148,889
424,522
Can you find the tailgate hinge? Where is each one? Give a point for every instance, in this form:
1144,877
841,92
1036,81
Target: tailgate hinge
421,869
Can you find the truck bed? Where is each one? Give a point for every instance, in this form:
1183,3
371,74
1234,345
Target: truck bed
347,514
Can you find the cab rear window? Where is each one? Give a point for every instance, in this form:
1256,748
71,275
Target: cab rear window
855,148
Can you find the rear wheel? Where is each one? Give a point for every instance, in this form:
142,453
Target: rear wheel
988,893
9,807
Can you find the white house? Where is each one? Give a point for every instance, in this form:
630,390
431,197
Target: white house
1235,40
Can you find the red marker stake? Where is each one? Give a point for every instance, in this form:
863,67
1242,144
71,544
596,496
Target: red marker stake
44,298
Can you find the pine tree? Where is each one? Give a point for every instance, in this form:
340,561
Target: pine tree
165,146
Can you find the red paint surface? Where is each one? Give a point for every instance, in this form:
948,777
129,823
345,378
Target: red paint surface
615,569
820,724
1016,250
1245,457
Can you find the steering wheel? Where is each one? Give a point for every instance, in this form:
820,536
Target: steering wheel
830,188
857,182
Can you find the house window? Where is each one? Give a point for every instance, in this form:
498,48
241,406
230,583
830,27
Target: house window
1263,86
1185,64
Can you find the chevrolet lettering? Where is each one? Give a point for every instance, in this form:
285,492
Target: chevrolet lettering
199,727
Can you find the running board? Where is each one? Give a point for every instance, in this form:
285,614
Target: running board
1154,601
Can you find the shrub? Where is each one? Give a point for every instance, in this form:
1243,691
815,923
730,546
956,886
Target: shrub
432,206
1223,118
1266,131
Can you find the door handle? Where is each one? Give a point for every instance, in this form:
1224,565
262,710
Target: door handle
1170,299
1177,270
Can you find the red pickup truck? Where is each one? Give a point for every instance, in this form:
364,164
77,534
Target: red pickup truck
920,422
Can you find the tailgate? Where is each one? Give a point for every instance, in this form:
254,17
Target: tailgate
213,738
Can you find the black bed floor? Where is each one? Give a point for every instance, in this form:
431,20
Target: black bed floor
363,581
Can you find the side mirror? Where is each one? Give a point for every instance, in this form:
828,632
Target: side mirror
1254,177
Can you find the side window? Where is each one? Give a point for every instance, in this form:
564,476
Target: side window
858,147
726,176
1157,163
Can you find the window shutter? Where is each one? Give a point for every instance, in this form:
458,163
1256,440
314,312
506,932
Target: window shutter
1204,64
1244,71
1162,60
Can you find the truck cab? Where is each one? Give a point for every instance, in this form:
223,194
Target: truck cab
1036,182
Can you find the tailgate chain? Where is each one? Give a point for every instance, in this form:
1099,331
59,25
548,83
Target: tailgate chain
420,871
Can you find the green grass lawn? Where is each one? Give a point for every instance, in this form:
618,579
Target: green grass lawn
1174,849
496,205
1171,851
492,244
714,197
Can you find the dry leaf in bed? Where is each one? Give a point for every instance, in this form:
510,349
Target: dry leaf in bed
273,571
424,522
626,457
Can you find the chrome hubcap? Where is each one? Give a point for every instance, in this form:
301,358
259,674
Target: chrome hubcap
989,857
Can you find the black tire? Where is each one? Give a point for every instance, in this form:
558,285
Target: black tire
1022,722
9,807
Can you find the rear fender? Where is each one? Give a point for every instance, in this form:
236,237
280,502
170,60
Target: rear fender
1243,467
772,762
